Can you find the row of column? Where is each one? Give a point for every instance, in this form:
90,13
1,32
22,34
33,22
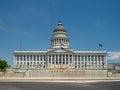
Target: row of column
77,60
60,59
31,66
59,41
90,61
89,58
29,59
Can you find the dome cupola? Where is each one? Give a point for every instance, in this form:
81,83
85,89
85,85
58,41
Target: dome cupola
59,27
59,37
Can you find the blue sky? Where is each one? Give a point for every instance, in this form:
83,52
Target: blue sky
28,25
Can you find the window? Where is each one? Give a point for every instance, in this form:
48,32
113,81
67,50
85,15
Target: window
66,57
70,57
95,57
38,57
78,57
53,62
66,61
86,57
44,57
102,57
89,57
41,57
92,57
27,57
63,57
75,57
63,62
53,57
82,57
50,61
30,57
34,57
99,57
20,57
59,57
56,62
17,57
49,57
24,57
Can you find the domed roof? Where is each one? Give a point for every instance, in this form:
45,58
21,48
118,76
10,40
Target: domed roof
59,27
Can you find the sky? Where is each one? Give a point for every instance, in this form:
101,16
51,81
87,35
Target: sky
29,24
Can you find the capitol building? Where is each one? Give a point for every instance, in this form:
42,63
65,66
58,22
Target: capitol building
60,56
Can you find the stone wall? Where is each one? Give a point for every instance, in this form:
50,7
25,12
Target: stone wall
66,73
1,74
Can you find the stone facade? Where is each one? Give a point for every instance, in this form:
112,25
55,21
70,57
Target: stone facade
60,56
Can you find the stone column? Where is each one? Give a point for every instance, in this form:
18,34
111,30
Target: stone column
57,42
55,59
51,59
35,61
15,60
22,60
90,61
72,59
100,61
76,61
65,59
58,59
28,61
84,61
32,61
25,61
94,61
68,59
61,59
97,61
105,61
53,43
87,61
47,59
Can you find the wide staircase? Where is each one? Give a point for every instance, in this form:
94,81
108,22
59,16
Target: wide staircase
19,74
10,73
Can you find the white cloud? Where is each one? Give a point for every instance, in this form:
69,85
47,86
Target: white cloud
113,55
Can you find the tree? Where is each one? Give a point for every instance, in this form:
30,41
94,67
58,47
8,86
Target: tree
3,65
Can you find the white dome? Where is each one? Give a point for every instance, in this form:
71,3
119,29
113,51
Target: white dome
59,37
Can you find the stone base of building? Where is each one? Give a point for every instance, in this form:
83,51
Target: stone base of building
60,67
66,73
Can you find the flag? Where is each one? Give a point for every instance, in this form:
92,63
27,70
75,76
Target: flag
62,46
100,45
